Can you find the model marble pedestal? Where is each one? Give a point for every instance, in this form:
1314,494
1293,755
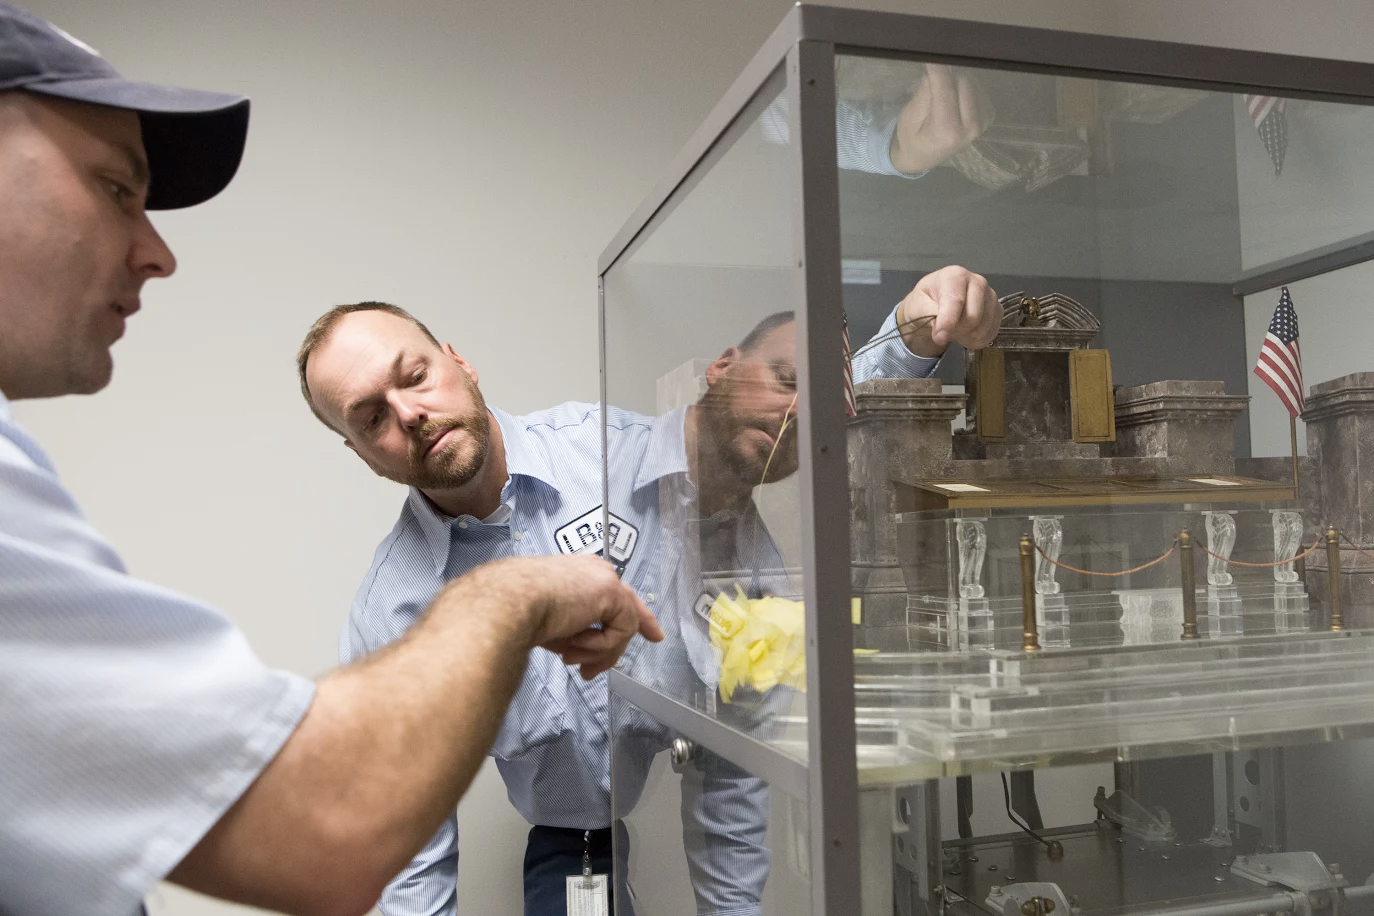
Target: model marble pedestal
902,428
1340,441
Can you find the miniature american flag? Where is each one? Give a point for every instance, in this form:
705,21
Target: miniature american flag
1280,359
1271,121
850,406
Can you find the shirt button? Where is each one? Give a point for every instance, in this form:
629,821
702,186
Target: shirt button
649,598
518,535
462,524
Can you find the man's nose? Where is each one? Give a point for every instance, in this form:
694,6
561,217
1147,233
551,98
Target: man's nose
149,255
411,414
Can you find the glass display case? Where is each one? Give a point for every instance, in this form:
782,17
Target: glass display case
1070,619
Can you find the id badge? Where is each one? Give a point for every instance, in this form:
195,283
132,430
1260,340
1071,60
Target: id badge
587,895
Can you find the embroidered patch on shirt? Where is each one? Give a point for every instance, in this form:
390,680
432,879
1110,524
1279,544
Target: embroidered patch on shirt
586,534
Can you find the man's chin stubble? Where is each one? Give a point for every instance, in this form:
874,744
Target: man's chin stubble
449,478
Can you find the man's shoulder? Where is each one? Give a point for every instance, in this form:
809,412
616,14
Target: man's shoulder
579,414
398,557
577,421
11,454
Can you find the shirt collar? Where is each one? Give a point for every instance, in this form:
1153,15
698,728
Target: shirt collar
524,455
523,459
434,525
667,451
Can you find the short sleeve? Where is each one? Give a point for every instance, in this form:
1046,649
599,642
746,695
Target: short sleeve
131,717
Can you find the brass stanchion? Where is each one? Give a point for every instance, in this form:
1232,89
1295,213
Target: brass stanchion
1185,555
1030,634
1333,571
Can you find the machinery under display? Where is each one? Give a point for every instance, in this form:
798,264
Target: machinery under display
1075,625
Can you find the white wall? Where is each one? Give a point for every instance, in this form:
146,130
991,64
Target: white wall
468,160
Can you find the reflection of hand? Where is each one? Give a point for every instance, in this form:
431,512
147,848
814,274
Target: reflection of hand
964,306
946,114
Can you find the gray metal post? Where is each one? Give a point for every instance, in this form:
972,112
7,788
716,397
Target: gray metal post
831,739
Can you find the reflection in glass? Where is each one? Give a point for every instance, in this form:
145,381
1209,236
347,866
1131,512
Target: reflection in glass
1113,410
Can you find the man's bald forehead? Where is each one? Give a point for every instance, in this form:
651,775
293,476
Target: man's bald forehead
360,329
381,321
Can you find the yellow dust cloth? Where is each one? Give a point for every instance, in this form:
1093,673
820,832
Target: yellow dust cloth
760,642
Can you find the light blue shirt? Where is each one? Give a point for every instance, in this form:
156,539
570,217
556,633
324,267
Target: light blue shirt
553,748
131,717
863,134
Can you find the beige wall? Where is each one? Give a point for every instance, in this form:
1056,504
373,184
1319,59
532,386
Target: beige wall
468,160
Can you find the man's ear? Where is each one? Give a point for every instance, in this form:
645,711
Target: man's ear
462,363
722,362
354,449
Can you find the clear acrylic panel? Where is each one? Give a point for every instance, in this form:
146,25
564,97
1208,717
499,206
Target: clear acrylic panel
1080,543
1112,609
1231,832
700,377
700,834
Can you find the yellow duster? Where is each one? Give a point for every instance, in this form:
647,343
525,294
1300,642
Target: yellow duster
760,642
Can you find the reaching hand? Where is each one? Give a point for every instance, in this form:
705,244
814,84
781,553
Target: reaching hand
582,610
944,115
965,310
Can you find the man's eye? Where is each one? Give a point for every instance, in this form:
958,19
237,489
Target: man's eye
373,420
418,377
119,191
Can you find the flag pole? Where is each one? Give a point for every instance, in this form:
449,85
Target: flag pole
1293,436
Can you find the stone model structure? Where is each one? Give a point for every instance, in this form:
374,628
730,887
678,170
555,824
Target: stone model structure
1045,429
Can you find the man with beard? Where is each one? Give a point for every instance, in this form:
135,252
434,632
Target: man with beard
140,736
484,484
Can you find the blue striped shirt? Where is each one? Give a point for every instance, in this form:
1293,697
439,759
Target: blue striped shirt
131,717
553,748
863,134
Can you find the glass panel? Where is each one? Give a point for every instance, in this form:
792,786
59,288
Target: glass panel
701,345
700,835
1092,483
1089,546
1079,555
1239,832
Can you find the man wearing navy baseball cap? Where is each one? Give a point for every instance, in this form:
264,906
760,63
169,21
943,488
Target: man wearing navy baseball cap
142,738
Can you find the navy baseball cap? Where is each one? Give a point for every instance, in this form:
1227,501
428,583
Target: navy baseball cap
194,139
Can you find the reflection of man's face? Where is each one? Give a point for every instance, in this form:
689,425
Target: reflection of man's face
750,393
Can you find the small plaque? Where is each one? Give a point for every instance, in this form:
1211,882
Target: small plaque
1215,481
960,488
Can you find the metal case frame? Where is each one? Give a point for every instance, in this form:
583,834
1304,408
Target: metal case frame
805,45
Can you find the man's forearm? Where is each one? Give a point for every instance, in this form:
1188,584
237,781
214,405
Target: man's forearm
384,754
